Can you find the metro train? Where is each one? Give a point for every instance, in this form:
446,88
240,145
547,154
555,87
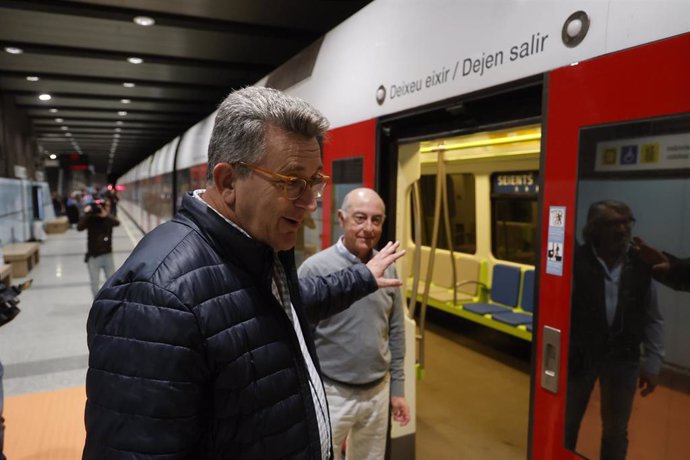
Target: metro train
470,122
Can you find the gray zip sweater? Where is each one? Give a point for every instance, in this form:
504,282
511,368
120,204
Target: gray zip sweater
361,344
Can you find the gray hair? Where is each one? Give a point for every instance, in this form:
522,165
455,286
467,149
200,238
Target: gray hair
593,227
240,125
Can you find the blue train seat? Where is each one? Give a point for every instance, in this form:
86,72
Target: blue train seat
503,296
527,304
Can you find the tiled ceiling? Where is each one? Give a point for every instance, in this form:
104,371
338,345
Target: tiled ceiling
116,112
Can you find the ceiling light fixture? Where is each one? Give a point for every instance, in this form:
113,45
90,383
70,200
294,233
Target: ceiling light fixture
44,97
68,134
135,60
144,21
59,120
64,128
128,84
118,122
53,156
32,78
53,110
13,50
125,101
122,113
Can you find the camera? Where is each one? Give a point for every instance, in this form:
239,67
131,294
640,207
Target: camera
9,298
95,207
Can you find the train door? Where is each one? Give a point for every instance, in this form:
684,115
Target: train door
616,165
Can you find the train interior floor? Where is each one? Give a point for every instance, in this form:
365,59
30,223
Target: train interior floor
472,402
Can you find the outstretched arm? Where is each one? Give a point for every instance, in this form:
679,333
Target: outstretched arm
326,295
666,268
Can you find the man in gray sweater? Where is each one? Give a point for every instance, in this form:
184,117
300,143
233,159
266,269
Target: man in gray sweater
361,349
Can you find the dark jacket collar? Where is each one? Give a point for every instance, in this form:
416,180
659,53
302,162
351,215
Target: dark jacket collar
256,257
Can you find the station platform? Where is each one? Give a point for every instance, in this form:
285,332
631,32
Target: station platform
44,348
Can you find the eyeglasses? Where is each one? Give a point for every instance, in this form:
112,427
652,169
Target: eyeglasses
293,187
360,219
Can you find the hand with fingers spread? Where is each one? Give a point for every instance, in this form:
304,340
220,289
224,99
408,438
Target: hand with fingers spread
381,261
666,268
651,256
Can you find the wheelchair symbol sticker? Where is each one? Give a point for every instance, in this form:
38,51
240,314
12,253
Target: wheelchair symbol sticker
628,154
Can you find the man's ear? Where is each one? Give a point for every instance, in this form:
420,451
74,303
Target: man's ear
341,218
224,176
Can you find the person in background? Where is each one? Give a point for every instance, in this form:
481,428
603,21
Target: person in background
668,269
72,208
99,223
199,344
57,204
111,195
614,310
361,349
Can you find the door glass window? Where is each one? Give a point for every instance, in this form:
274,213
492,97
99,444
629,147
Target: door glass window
347,175
628,386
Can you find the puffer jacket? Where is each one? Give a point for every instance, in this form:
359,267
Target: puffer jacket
191,356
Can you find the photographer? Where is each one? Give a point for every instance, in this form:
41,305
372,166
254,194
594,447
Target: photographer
99,250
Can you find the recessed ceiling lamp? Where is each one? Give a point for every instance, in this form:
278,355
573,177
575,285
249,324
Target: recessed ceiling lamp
128,84
59,120
53,156
53,110
117,130
122,113
32,78
144,21
135,60
118,122
64,128
125,101
68,134
44,97
13,50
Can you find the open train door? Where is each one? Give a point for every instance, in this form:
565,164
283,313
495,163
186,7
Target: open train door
617,128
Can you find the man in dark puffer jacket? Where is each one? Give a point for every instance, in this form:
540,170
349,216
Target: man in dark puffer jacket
199,344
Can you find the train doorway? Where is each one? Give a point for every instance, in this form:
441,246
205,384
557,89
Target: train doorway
612,314
464,178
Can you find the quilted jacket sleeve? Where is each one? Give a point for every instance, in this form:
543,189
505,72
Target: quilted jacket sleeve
146,376
324,296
